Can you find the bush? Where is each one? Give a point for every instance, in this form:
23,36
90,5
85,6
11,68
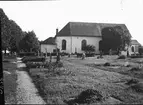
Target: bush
90,54
140,50
35,64
64,53
138,87
136,56
135,69
89,96
33,59
79,55
132,81
26,54
122,57
107,64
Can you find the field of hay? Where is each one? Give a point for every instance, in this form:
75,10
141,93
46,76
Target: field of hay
117,83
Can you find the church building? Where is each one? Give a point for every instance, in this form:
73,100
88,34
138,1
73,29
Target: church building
75,35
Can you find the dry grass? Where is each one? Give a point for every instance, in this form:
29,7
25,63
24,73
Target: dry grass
67,82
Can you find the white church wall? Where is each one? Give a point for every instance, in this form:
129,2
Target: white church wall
76,43
49,48
68,43
73,44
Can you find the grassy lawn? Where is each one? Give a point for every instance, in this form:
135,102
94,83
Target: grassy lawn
9,80
61,84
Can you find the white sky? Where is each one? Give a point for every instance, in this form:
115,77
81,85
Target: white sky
45,16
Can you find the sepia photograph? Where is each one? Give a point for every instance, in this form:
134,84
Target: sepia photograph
71,52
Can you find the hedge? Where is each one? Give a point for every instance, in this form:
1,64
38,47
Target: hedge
26,54
33,59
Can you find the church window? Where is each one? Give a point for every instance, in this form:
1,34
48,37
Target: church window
133,49
83,44
63,44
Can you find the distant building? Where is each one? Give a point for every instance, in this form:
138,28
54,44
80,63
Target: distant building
134,47
48,44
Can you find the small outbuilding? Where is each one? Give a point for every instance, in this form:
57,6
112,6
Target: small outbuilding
48,45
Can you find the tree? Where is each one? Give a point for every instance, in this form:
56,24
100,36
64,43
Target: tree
5,30
30,42
140,50
11,33
89,48
16,36
114,38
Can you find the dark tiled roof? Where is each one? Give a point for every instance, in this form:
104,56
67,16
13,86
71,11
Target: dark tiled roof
50,40
86,29
135,42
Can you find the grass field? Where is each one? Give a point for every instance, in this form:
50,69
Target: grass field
61,85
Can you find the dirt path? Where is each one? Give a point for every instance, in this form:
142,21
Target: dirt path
26,91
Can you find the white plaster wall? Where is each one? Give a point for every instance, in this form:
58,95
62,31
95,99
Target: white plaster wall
68,43
76,43
48,47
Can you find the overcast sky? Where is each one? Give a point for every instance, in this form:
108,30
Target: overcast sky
45,16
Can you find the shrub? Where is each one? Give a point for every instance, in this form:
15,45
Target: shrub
122,57
79,55
22,54
140,50
107,64
33,59
136,56
132,81
135,69
89,96
90,54
138,87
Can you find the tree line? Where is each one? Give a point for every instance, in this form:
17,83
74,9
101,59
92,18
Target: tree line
14,39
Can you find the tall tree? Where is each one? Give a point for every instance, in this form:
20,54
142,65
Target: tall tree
114,38
16,36
30,42
5,30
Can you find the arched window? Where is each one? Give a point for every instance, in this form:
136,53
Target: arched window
133,49
63,44
83,44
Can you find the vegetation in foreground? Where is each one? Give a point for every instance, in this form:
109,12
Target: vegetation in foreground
9,80
68,84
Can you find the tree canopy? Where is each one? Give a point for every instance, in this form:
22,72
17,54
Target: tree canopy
114,38
12,35
30,42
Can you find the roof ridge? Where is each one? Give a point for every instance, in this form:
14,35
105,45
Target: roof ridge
96,23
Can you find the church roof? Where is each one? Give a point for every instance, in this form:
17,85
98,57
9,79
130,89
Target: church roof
86,29
50,40
135,42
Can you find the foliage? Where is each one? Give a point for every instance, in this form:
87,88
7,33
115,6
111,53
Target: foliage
5,30
16,36
22,54
122,57
89,96
89,48
114,38
30,42
33,59
140,50
11,33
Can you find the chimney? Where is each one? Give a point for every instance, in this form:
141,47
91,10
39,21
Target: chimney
57,31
